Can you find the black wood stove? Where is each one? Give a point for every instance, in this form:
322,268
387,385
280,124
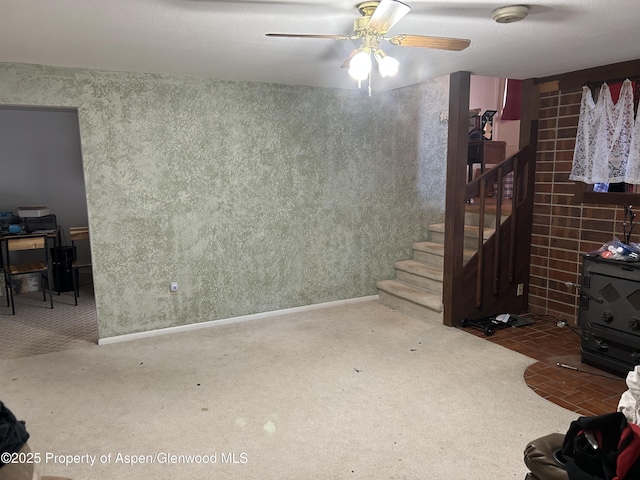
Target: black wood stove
609,313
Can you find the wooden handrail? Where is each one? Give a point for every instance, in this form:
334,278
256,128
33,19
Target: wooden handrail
477,188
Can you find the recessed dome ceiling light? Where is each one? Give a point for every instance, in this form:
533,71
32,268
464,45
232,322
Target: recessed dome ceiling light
513,13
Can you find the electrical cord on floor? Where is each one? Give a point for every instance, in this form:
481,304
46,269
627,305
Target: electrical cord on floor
559,322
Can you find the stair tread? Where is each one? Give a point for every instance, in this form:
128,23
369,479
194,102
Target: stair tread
419,268
413,294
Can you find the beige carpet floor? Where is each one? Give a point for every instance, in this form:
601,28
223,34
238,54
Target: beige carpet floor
350,392
36,328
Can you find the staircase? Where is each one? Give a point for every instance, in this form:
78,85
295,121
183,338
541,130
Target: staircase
417,288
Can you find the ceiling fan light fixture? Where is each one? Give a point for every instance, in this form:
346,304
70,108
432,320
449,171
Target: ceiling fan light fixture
388,66
360,65
510,14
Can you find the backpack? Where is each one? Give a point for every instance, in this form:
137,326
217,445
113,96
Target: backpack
13,434
604,447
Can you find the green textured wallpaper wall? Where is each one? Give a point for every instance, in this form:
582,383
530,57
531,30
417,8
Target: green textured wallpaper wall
254,197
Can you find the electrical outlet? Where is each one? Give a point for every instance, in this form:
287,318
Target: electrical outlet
520,289
173,287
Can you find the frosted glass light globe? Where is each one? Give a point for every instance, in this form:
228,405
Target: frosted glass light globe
360,65
388,66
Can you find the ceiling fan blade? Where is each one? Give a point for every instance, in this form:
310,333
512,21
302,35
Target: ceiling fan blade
441,43
387,14
305,35
345,64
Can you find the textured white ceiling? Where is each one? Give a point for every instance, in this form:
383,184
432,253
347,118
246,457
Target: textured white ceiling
225,38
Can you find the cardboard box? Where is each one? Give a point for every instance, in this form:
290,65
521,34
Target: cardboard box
29,282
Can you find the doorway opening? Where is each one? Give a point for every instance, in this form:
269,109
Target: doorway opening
42,167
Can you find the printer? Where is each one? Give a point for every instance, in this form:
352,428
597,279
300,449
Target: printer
37,218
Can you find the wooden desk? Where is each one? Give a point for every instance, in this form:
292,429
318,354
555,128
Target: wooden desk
50,234
54,235
484,152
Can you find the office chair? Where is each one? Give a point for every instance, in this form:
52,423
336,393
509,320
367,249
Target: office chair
78,234
24,243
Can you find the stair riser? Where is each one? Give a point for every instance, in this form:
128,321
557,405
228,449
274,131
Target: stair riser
421,282
473,218
429,258
409,308
470,243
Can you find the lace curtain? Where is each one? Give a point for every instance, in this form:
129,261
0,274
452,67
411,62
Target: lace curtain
608,140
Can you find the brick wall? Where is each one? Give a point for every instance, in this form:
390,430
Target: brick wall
562,228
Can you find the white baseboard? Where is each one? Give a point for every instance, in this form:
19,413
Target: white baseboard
227,321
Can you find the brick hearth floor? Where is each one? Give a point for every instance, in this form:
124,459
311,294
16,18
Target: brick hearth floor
588,391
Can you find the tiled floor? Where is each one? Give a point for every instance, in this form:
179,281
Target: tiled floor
586,391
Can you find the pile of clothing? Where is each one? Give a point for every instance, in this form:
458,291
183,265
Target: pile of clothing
604,447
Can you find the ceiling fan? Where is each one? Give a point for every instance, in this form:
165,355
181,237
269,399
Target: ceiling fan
378,17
